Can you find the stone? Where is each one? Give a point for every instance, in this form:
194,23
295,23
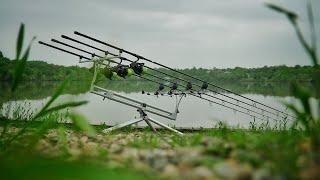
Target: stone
202,173
130,153
159,163
84,139
211,141
261,174
74,152
90,149
138,165
230,169
115,148
170,172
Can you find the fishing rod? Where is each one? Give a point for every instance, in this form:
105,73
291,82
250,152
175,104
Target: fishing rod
196,95
222,100
174,70
126,59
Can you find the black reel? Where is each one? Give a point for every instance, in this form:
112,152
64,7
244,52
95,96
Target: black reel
138,68
122,70
189,86
161,87
204,85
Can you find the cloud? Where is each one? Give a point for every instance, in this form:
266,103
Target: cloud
177,33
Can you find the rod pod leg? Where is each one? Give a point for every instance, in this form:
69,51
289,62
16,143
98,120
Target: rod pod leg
165,126
146,119
128,123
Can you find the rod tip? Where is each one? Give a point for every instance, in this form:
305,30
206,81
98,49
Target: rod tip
76,32
40,42
63,36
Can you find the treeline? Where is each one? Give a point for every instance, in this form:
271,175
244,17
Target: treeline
42,71
39,70
263,74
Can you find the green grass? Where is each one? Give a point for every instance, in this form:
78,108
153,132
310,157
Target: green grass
279,151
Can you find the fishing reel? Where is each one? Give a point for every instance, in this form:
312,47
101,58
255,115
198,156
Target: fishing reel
161,88
118,71
173,89
204,87
138,68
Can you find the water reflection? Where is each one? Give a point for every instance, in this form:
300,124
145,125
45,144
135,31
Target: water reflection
194,112
40,90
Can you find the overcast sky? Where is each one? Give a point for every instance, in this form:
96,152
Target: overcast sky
178,33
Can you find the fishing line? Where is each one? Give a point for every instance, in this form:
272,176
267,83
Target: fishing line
126,59
196,95
143,58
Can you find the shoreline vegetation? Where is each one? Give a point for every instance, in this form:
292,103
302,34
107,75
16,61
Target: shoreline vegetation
42,71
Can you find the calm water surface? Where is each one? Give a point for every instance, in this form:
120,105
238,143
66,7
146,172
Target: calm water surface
194,112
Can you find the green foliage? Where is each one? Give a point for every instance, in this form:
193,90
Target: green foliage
81,124
311,50
238,74
20,39
46,110
305,116
34,167
42,71
21,63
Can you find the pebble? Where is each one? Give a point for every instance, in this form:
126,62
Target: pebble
170,172
232,170
261,174
130,153
211,141
202,173
84,139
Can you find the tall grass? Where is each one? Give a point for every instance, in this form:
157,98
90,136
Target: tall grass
306,116
47,123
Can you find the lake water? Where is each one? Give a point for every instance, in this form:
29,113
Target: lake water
194,112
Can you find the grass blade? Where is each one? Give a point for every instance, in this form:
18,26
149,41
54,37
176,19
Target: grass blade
82,124
290,14
60,107
56,94
20,41
20,67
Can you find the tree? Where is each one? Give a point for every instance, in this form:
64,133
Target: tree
1,55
